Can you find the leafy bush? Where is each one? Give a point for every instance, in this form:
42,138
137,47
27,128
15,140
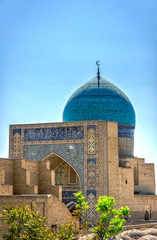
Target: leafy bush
65,232
24,223
81,210
111,220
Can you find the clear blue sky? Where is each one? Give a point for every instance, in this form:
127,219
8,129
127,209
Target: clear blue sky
49,49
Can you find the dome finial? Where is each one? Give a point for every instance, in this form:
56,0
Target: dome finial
98,73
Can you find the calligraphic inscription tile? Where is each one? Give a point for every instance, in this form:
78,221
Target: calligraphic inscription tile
54,133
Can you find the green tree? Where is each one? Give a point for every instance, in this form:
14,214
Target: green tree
24,223
111,220
65,232
81,209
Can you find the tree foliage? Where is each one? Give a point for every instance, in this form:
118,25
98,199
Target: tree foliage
65,232
24,223
81,210
111,220
81,206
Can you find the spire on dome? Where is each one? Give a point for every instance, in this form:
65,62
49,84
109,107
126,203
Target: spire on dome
98,73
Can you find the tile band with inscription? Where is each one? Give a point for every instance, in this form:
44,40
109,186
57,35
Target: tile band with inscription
55,133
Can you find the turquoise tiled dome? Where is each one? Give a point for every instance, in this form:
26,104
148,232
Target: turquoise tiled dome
104,103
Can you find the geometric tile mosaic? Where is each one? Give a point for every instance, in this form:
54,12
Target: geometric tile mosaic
91,175
81,144
91,140
91,211
17,145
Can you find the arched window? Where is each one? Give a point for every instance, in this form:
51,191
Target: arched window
72,177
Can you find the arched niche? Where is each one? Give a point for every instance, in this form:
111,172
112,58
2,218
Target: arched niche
65,176
147,215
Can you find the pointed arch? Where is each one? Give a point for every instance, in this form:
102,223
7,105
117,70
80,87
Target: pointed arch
54,166
65,176
72,153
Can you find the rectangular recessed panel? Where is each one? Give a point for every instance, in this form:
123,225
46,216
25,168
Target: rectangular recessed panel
72,176
55,133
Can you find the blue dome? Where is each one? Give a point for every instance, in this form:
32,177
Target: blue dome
107,103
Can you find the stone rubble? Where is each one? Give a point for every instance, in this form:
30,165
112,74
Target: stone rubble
147,234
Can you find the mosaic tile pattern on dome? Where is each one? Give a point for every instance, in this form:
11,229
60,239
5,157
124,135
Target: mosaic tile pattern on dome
106,102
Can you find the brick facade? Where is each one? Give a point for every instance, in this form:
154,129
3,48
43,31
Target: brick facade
41,156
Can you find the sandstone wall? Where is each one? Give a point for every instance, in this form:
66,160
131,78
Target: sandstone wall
48,205
19,176
137,187
6,176
113,161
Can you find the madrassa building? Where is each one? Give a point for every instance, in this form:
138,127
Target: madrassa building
92,150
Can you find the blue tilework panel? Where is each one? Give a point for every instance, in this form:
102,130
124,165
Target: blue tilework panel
55,133
91,160
91,191
68,194
66,201
17,131
125,132
75,156
91,126
106,102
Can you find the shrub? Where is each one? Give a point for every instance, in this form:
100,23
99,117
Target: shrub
81,209
24,223
65,232
111,220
